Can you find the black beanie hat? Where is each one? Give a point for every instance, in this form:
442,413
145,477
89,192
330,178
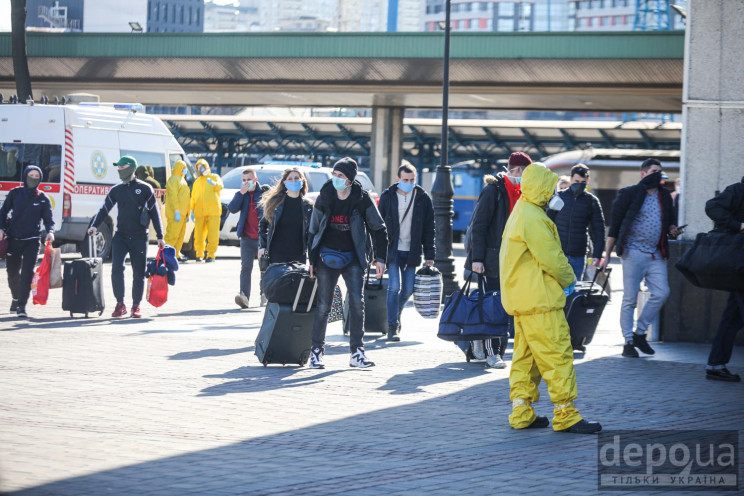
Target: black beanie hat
347,166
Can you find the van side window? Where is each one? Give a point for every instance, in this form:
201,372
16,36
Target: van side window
154,160
14,157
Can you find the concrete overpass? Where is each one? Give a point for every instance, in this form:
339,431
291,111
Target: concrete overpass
584,71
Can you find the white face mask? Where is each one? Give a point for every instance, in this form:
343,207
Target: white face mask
555,203
204,172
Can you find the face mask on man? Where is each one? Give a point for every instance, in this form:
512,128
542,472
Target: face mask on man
293,185
652,180
204,172
32,182
555,203
577,188
406,187
251,184
514,179
125,174
339,183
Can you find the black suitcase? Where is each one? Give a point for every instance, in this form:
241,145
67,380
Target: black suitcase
82,285
286,332
584,308
375,305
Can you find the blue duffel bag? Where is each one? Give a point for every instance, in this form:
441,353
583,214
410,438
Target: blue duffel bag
468,316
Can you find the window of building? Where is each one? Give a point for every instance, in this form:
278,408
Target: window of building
456,7
506,9
191,15
467,24
182,11
505,25
467,7
437,9
165,13
198,16
484,6
157,11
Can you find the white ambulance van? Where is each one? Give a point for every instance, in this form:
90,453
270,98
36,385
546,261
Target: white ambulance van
75,147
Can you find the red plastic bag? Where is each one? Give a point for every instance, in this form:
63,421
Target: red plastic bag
40,282
157,286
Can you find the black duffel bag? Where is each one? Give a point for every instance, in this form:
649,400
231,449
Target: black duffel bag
715,261
282,280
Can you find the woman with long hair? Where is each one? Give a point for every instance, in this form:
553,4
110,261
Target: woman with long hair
286,219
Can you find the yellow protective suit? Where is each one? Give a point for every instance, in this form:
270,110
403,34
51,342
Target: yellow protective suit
177,199
533,272
205,203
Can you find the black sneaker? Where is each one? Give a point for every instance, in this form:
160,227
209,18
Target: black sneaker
198,259
639,341
583,427
21,313
539,423
721,375
14,306
629,351
392,334
209,260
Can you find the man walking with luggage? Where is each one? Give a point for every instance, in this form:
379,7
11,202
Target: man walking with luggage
581,211
344,218
409,215
495,203
137,207
535,279
22,212
642,221
727,211
246,201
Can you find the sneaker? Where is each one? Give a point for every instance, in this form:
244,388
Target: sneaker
241,300
721,375
209,260
136,311
539,423
14,306
21,312
120,310
392,334
583,427
639,341
316,358
479,351
198,259
629,351
495,362
358,360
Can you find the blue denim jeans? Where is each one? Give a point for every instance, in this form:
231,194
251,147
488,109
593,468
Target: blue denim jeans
577,264
248,252
638,266
353,275
400,286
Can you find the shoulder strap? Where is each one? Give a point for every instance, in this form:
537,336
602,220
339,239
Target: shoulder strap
413,197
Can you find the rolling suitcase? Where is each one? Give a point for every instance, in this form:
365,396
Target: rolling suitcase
82,284
584,308
286,333
375,305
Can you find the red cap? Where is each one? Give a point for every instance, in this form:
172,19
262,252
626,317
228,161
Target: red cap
519,159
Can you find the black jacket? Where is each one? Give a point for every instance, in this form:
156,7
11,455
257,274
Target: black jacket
37,207
625,208
241,203
131,198
422,224
578,214
367,227
727,209
483,237
266,228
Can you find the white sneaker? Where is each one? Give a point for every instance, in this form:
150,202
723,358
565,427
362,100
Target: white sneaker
479,351
359,360
316,358
241,300
495,362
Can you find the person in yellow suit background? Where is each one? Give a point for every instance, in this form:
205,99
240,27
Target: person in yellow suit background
534,272
177,206
207,209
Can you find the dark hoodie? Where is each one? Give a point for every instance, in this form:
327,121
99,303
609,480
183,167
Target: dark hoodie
727,209
29,207
487,225
365,220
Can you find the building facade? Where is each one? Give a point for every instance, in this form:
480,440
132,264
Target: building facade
175,16
500,16
90,16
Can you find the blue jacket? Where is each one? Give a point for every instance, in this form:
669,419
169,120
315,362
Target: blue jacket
578,214
241,203
39,209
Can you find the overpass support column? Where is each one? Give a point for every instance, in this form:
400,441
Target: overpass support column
712,151
386,146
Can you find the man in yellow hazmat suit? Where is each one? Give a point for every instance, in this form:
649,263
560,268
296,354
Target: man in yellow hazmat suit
207,209
534,272
177,206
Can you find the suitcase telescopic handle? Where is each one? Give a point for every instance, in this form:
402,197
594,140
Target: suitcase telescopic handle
299,292
92,248
607,279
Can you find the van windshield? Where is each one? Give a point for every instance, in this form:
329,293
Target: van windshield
14,157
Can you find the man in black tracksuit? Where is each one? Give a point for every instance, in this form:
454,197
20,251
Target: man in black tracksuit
132,196
29,208
727,211
581,211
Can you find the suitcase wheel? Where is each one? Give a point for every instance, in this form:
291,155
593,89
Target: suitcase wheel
284,364
265,364
86,315
72,316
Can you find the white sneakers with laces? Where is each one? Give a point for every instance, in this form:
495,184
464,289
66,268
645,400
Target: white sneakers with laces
316,358
359,360
495,362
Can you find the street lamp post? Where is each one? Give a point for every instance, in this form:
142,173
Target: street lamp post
442,191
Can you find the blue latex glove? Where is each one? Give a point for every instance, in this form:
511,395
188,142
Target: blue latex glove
569,290
211,182
178,216
192,217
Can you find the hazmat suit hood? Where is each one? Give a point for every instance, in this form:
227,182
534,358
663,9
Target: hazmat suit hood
202,163
25,175
538,184
178,167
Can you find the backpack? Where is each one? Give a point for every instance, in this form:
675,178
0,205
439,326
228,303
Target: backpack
281,281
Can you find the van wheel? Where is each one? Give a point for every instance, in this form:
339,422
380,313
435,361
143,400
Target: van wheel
187,250
102,239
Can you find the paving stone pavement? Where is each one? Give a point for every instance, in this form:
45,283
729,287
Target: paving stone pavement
177,403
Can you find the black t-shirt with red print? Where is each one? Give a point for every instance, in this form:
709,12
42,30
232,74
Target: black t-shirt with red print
338,234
